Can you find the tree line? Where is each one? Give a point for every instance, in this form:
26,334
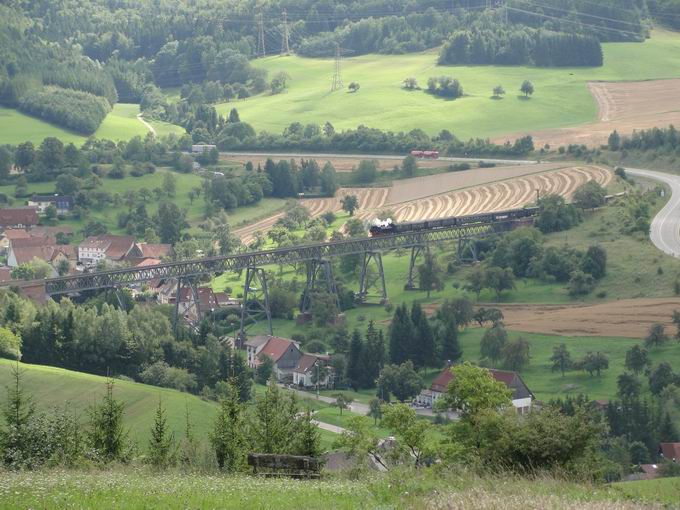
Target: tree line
521,46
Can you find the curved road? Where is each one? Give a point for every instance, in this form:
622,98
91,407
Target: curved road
665,229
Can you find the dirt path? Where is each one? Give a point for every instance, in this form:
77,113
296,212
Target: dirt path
148,126
629,318
622,106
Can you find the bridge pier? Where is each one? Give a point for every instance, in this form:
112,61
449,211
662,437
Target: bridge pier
416,251
255,301
320,277
364,284
467,250
195,301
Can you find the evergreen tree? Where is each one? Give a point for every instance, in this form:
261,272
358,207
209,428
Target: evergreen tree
227,437
264,370
400,335
161,440
273,421
449,346
107,435
188,446
668,433
355,361
16,436
422,346
307,436
373,357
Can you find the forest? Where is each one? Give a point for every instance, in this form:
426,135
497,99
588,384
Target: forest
129,51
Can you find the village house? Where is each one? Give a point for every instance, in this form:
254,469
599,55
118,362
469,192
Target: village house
284,353
304,372
208,301
521,395
18,217
670,451
202,147
22,250
62,203
109,248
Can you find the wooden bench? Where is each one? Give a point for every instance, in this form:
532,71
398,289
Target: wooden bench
294,466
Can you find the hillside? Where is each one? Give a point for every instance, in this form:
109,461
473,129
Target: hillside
52,386
561,99
120,124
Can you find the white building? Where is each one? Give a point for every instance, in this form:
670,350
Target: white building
521,395
303,374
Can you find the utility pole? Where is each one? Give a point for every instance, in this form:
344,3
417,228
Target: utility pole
285,48
337,78
261,51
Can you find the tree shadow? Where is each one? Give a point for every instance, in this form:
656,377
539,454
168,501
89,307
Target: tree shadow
496,98
524,98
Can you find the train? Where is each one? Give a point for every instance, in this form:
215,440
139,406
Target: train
388,227
425,154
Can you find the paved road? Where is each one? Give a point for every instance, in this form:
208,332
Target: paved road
370,156
665,230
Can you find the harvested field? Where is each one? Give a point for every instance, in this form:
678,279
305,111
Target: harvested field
622,106
421,187
247,234
500,196
370,201
340,163
624,318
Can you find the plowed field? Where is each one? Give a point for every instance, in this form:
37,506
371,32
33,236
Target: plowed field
622,106
499,196
624,318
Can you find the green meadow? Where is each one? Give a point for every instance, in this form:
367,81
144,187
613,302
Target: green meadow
561,98
120,124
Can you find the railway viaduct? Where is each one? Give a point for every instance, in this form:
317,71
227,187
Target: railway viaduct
317,258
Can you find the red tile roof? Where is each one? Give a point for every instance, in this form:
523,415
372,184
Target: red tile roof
276,347
206,296
17,233
308,360
32,242
156,251
115,247
47,253
441,383
148,262
13,216
670,451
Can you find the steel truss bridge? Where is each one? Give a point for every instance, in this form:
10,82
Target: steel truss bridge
316,256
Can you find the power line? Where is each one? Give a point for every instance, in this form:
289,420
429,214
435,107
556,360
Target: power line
336,84
285,48
261,51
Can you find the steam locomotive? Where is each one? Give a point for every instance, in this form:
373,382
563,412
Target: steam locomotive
387,227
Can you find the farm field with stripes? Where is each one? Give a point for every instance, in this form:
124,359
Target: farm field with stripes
493,196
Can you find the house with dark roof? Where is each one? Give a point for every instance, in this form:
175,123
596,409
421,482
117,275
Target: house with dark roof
154,251
521,395
18,217
109,248
284,353
62,203
303,374
670,451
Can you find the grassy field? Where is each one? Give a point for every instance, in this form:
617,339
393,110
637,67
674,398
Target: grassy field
422,489
120,124
561,99
55,386
546,384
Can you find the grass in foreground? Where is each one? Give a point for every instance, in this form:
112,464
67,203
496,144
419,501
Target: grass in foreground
561,99
424,489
